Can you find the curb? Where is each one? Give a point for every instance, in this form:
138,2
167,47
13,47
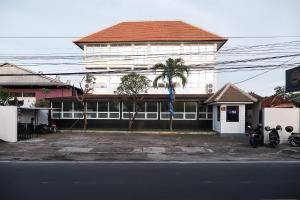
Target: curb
142,132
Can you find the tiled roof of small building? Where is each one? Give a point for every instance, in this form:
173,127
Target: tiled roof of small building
230,93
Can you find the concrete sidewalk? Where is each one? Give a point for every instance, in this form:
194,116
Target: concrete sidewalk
119,146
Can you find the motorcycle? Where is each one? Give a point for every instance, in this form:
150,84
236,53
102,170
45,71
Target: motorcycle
274,138
256,137
294,138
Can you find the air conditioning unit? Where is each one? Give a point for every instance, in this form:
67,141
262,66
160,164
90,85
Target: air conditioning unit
209,88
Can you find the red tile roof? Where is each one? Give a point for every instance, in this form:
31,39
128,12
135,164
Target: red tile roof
151,31
230,93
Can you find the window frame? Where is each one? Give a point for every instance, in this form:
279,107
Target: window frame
184,113
205,112
238,113
145,112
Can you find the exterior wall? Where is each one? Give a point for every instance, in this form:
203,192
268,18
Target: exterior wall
8,123
139,124
216,123
234,127
283,117
143,56
53,92
190,115
223,126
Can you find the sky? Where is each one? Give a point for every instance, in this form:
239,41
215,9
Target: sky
76,18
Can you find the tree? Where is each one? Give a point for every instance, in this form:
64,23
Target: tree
173,68
280,91
4,96
131,86
87,85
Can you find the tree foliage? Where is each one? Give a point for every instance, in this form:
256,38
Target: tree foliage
4,96
280,91
87,85
173,68
131,86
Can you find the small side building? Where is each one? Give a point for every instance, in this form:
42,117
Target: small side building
229,109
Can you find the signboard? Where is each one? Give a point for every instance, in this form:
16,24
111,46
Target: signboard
292,80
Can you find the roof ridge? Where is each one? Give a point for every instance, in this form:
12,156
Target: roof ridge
245,93
33,72
223,91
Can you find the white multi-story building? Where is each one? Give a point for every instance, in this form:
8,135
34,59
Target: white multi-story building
139,45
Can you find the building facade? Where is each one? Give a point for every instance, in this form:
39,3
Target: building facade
138,46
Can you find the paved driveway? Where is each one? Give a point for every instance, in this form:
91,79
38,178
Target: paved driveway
145,147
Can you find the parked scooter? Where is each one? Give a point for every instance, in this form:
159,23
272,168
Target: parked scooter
274,138
256,137
294,138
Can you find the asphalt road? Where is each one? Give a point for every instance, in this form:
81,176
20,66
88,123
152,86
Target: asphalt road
155,181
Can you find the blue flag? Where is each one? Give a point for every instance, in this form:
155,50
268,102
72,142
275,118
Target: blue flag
171,99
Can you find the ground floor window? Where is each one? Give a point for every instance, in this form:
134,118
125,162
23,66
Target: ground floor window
145,110
205,111
182,110
95,110
232,113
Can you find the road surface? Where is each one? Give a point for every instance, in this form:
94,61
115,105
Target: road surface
155,181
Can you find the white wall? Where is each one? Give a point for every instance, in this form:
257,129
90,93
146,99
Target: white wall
8,123
216,123
128,56
229,127
283,117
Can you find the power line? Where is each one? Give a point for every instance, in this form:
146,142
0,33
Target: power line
257,75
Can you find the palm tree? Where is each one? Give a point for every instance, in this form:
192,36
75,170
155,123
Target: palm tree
173,68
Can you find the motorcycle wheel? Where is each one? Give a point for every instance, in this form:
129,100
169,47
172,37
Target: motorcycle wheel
293,143
253,143
273,144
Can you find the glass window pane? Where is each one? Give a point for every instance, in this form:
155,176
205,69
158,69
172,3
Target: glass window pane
91,115
67,106
56,104
209,115
126,115
140,107
127,106
152,115
178,116
179,106
190,116
102,106
56,115
114,115
164,106
165,116
151,106
232,114
209,108
202,108
102,115
78,106
140,116
190,107
67,115
113,106
91,106
78,115
202,116
218,113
